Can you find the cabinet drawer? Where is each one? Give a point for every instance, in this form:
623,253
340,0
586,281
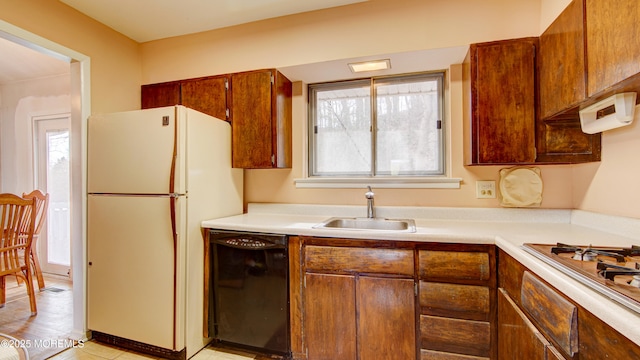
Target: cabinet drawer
358,260
468,301
437,355
454,265
454,335
556,317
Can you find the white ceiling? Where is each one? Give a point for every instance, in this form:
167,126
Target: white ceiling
18,62
146,20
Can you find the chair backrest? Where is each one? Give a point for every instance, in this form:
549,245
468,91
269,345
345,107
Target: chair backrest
17,222
42,204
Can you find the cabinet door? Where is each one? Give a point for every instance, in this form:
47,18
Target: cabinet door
613,42
251,112
348,317
503,88
330,316
386,318
159,95
517,337
207,95
562,62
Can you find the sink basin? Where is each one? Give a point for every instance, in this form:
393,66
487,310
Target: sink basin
375,224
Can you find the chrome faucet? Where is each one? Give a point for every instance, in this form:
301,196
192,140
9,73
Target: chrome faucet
369,195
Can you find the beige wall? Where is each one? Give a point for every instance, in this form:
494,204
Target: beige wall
368,28
115,59
374,27
613,185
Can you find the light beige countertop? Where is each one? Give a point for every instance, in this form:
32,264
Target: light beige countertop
507,228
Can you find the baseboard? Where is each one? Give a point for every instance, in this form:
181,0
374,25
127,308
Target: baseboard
139,347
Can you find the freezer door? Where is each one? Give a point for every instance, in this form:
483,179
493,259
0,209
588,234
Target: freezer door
131,288
133,152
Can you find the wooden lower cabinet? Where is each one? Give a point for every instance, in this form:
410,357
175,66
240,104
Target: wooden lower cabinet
532,314
356,307
359,317
374,299
518,337
457,301
329,302
386,314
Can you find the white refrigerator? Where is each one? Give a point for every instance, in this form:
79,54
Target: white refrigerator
153,176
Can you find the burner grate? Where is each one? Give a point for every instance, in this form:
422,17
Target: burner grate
618,254
610,271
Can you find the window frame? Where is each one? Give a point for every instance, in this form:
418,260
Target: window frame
422,177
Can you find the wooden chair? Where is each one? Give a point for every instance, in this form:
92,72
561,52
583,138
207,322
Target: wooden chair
42,204
17,222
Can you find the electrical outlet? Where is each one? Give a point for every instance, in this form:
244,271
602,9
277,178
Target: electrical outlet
486,189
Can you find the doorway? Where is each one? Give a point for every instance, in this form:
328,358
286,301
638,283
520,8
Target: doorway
51,167
80,108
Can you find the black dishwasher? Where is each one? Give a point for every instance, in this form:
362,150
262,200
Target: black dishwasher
250,288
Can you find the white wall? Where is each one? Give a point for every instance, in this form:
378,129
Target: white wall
21,102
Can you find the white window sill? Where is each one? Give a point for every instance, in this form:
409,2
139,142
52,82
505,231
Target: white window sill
381,183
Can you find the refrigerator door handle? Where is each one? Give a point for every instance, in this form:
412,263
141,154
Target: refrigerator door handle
172,176
174,231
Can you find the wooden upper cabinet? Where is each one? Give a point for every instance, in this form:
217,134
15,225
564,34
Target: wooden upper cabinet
159,95
207,95
503,101
561,62
613,44
505,79
257,103
588,53
261,119
563,89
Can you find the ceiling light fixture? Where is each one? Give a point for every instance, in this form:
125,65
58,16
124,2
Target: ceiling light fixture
370,65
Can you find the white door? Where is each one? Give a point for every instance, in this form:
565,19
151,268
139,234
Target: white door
132,152
52,162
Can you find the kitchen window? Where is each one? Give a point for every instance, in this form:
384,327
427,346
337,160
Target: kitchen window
388,127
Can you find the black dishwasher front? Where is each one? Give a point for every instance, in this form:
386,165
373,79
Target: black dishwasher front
250,288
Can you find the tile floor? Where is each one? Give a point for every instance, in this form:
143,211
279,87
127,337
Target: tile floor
96,351
53,324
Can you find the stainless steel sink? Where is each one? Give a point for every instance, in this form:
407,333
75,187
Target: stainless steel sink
363,223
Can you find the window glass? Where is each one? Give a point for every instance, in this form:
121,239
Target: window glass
377,127
408,128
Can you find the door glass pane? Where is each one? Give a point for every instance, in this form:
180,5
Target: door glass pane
58,219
